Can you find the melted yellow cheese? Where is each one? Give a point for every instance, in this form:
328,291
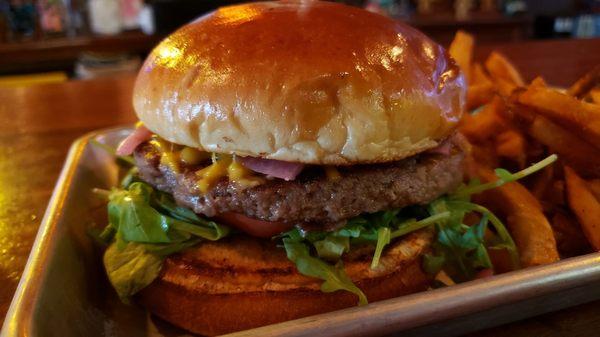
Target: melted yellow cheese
242,176
209,175
332,173
169,156
225,166
191,156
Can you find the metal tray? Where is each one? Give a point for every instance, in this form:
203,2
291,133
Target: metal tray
63,290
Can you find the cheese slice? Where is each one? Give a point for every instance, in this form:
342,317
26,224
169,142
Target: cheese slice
226,166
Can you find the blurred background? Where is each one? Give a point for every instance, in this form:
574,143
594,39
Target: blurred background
55,40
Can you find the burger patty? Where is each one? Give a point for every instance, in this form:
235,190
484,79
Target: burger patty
312,198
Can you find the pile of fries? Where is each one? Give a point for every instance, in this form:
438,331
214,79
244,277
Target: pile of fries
556,212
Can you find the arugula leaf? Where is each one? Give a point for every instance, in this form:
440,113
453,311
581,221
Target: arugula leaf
212,231
147,225
432,264
144,227
503,177
166,204
130,177
130,213
164,250
376,228
332,247
352,230
413,225
329,246
385,235
133,266
130,269
136,214
506,240
461,250
383,239
334,277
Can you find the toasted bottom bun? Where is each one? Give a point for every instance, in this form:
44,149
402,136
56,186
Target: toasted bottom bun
241,283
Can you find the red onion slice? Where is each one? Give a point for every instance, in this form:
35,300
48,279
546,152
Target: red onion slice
138,136
275,168
443,149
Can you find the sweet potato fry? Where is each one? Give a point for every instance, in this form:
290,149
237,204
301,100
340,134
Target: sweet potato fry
541,182
572,149
585,206
525,220
478,75
461,50
538,82
580,88
569,236
481,154
521,114
595,95
511,145
505,88
555,194
594,185
579,116
485,123
479,94
481,88
499,67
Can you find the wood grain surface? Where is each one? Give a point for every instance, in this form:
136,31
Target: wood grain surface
60,53
38,124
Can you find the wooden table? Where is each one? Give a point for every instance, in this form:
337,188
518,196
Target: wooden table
61,53
490,27
37,125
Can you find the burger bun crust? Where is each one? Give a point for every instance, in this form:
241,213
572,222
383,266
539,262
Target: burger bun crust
241,283
301,81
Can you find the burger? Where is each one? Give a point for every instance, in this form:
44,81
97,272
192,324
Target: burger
292,158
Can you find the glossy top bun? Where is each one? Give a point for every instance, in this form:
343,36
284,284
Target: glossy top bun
302,81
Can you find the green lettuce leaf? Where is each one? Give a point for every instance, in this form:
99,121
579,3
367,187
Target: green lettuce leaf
142,215
211,231
503,177
334,277
130,213
433,264
130,177
144,227
147,225
165,203
460,250
130,269
164,250
332,247
383,238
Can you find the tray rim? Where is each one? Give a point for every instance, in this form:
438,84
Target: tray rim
417,309
16,321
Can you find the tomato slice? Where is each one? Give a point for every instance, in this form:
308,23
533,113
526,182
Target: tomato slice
485,273
254,227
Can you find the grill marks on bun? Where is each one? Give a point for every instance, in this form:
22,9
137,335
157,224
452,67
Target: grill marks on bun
242,283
